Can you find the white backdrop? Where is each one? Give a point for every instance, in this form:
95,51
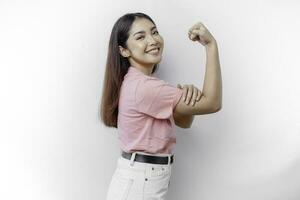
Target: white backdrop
52,58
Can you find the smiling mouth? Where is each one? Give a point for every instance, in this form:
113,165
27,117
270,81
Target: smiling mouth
154,51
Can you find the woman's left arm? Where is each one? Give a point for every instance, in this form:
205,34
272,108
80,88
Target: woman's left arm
183,121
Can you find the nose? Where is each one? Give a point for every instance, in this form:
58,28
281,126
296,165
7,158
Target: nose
152,40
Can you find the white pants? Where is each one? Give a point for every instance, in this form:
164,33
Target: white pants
133,180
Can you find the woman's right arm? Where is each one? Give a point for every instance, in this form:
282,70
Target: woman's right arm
211,99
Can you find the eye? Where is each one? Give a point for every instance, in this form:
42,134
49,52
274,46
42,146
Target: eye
140,37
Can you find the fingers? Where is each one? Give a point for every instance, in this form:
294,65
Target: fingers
196,35
191,94
192,36
185,92
195,93
199,33
198,95
196,26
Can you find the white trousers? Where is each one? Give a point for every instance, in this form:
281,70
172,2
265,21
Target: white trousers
133,180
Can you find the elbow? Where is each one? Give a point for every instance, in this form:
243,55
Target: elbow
184,126
217,107
187,126
215,104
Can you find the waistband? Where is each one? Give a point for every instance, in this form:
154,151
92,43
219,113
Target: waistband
161,159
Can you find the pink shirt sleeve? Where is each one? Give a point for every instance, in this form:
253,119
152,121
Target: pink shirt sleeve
157,98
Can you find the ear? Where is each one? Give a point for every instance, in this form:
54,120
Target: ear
124,52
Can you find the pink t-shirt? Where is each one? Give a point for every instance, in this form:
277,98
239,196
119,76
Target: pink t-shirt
145,119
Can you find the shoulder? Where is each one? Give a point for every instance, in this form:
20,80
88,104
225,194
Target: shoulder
151,83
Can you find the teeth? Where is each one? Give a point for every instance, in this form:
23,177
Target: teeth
154,50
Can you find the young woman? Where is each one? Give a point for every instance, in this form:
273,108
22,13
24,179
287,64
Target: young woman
145,108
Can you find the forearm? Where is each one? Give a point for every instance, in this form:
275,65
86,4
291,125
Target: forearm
212,87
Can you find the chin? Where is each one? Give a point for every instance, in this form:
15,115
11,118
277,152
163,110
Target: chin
150,61
156,60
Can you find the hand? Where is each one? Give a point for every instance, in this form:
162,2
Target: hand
191,94
200,33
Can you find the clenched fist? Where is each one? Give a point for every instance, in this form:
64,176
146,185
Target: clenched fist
200,33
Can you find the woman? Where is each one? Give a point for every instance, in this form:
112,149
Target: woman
145,108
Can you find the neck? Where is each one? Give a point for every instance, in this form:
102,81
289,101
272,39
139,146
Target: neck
144,69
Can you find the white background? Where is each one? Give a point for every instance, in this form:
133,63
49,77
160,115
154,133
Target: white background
52,58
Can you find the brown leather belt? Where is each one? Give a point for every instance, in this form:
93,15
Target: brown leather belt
148,159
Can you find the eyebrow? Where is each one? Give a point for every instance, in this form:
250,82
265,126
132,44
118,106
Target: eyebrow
154,27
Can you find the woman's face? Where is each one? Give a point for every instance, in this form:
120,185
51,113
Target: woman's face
144,44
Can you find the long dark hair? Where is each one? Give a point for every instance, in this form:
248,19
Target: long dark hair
116,68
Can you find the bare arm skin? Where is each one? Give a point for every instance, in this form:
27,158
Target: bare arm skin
183,121
211,99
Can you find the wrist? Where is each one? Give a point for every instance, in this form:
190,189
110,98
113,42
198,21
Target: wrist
211,44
